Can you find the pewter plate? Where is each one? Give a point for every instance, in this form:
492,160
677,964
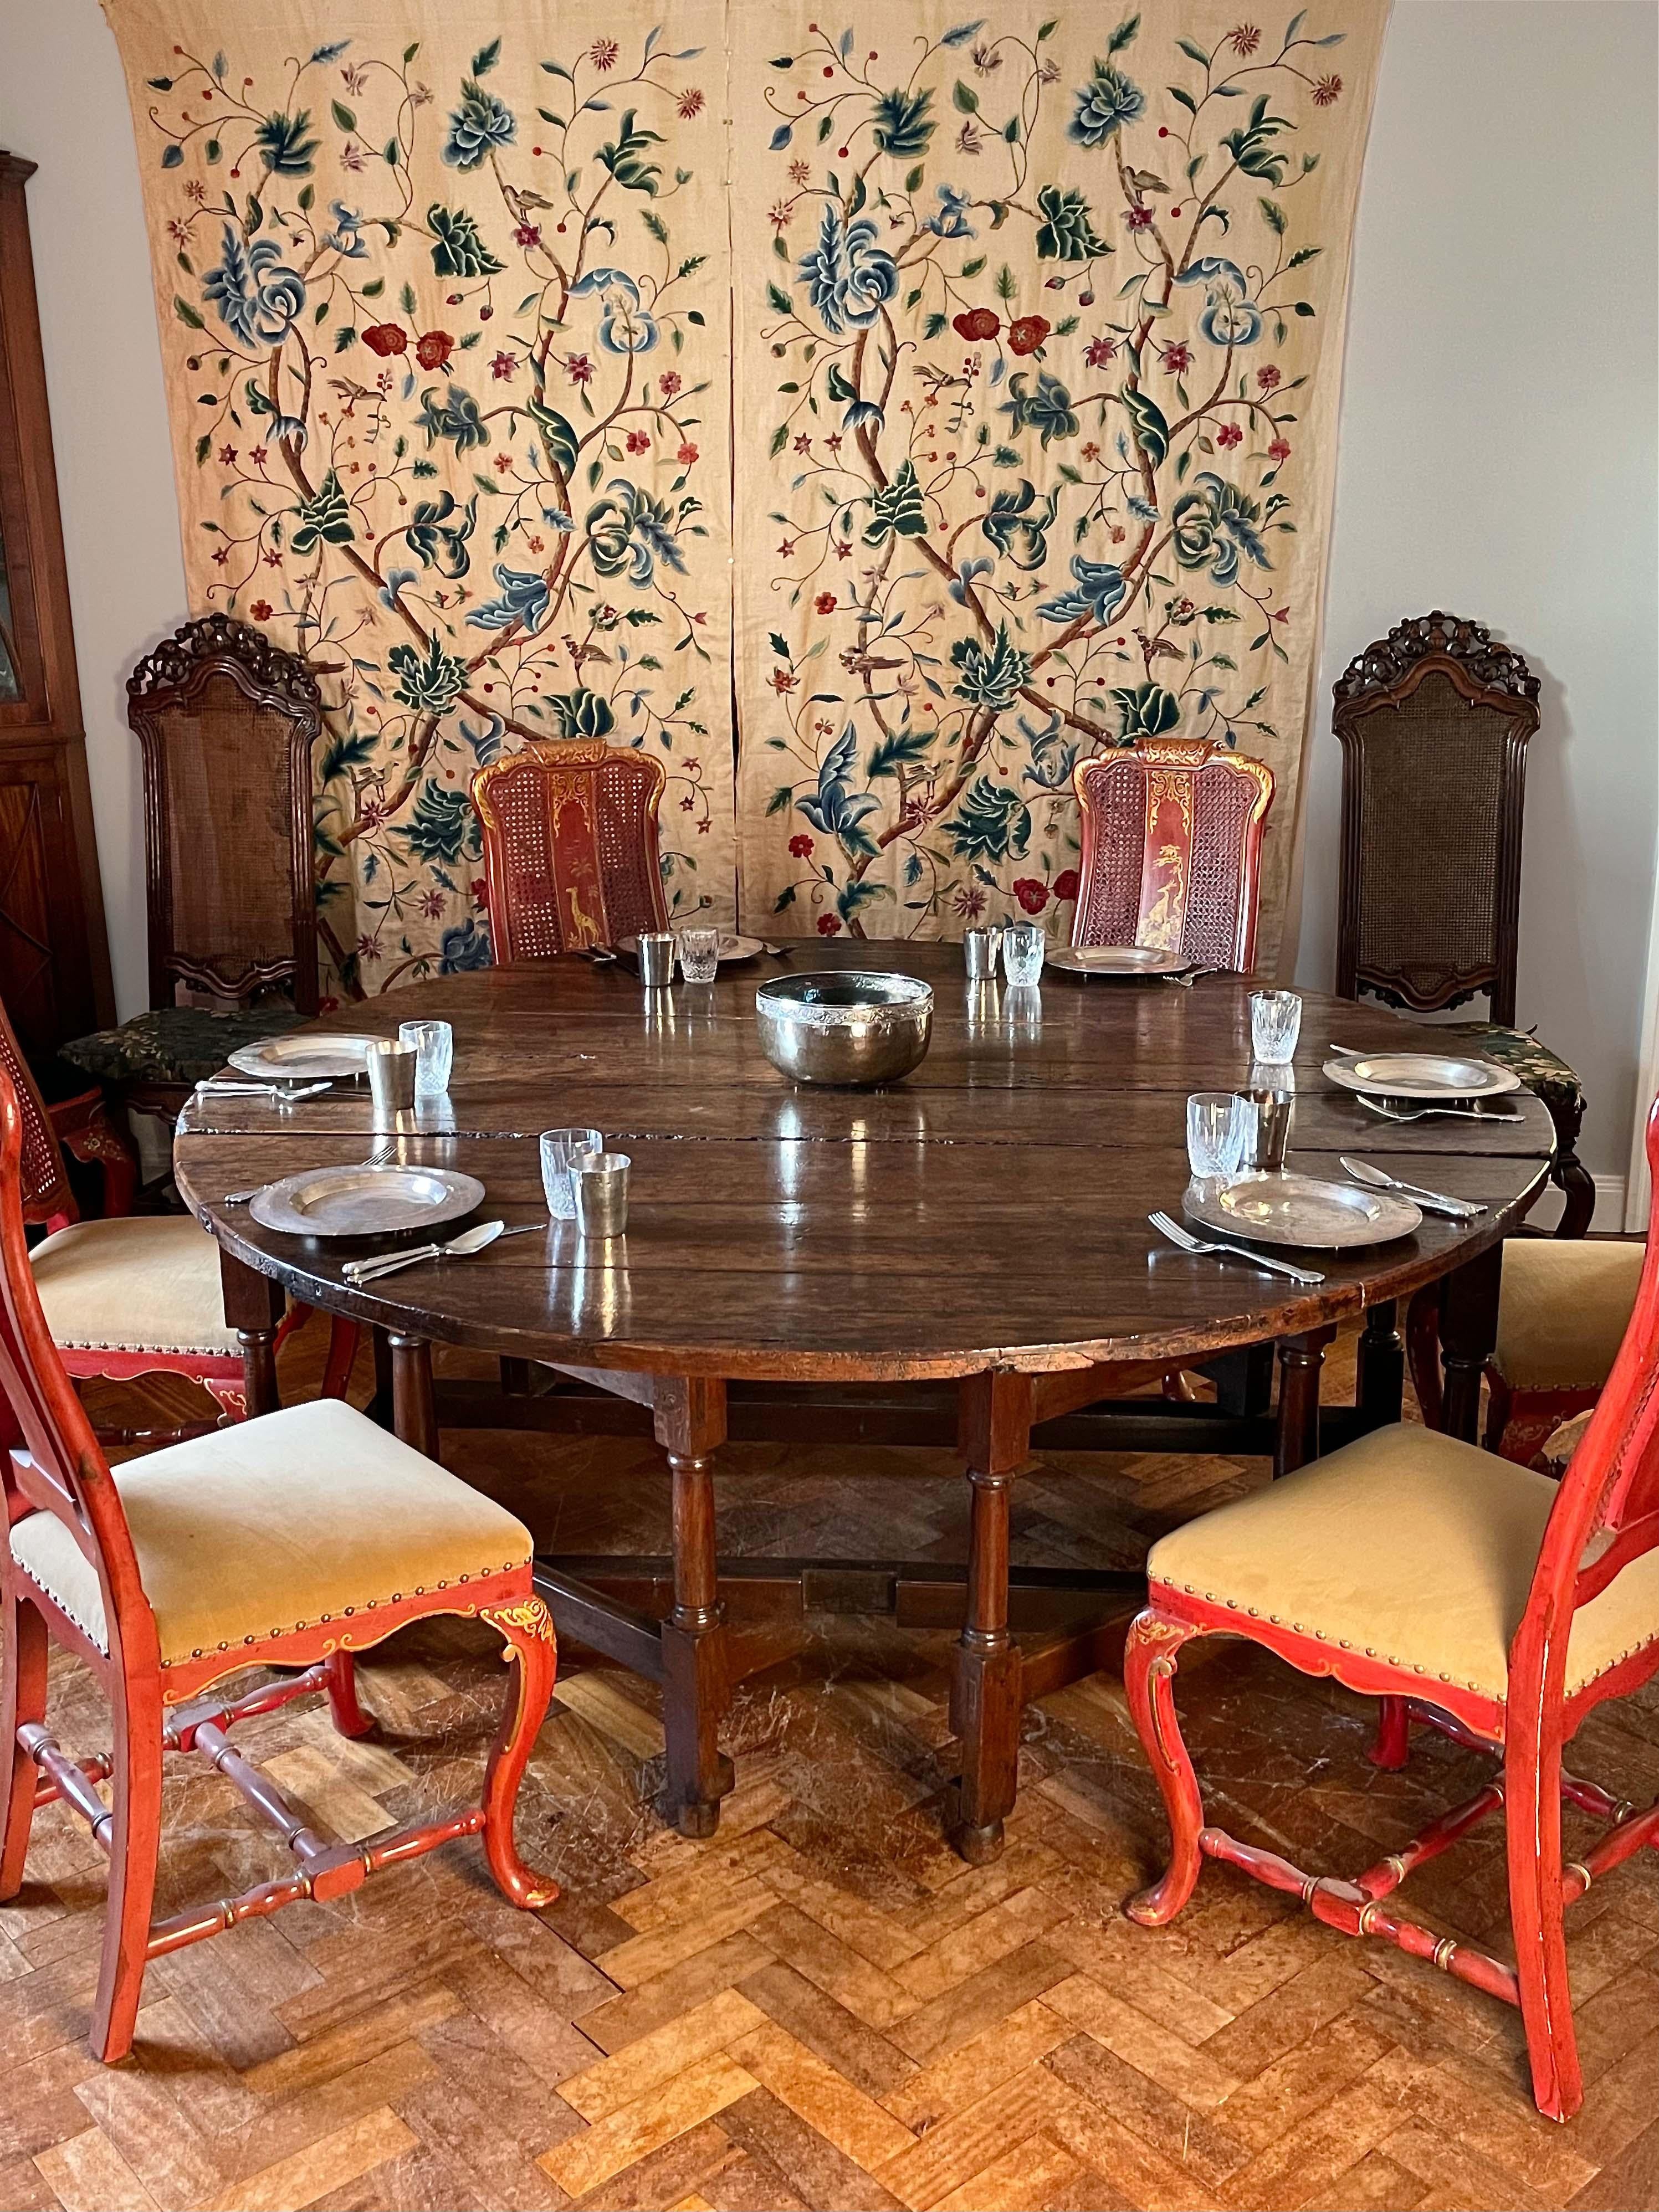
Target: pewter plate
305,1058
364,1202
733,949
1301,1210
1422,1075
1115,960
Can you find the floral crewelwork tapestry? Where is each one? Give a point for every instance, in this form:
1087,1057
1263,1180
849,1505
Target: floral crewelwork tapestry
1019,444
444,295
1039,319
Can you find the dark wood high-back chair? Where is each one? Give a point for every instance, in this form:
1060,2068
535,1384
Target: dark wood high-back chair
225,722
1172,834
110,1567
569,830
1434,721
1396,1564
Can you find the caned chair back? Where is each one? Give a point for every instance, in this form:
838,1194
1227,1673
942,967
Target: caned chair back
569,832
45,1196
1434,721
1172,850
1606,1515
225,722
49,1461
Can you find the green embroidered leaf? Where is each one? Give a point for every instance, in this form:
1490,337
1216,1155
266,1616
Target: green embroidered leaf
1152,428
898,512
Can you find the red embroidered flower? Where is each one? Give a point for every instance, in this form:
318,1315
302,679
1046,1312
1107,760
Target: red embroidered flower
480,889
690,104
386,338
261,610
801,847
504,365
1267,378
226,457
1026,335
669,382
1244,41
1229,434
1177,359
1140,218
527,235
825,602
602,53
1066,884
1032,894
829,925
782,681
638,442
686,455
1328,92
1279,449
433,347
578,368
1099,351
977,325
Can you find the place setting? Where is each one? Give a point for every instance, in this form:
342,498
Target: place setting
1416,1086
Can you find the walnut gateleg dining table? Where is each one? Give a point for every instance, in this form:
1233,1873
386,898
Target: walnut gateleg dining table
964,1255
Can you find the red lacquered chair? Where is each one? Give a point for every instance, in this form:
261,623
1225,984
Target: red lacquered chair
1172,850
1470,1595
570,846
291,1542
139,1294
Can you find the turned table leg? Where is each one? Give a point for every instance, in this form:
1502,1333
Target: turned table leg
1469,1332
1300,1360
254,1305
691,1425
1381,1390
995,1433
414,1410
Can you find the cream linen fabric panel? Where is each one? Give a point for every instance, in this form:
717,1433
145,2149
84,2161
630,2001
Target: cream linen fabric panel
1038,351
444,295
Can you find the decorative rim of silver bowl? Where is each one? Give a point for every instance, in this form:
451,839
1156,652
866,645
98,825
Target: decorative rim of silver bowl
862,995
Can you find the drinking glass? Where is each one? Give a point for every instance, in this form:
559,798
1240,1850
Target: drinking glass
391,1066
600,1182
1022,947
699,954
1269,1114
436,1043
559,1148
1275,1025
979,954
1219,1124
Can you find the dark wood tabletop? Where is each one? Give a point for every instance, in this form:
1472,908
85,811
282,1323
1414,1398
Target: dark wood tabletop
989,1211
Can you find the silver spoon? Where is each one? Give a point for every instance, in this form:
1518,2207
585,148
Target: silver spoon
463,1247
1423,1113
1431,1201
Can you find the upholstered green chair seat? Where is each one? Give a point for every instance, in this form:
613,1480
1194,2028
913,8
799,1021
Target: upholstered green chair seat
1546,1076
175,1044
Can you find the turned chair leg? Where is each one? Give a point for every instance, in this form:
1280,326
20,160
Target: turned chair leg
22,1699
134,1842
1392,1746
347,1715
528,1628
1149,1671
1532,1819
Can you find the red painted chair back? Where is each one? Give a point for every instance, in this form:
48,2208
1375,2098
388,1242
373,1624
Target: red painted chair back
570,846
1608,1502
46,1196
49,1461
1172,850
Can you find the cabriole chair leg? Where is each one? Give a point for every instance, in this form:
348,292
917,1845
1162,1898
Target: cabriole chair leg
1393,1733
532,1653
1149,1670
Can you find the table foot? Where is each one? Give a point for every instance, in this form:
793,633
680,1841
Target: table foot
986,1681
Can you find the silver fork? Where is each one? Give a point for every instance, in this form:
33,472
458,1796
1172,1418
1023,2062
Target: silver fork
1423,1113
382,1156
1188,1242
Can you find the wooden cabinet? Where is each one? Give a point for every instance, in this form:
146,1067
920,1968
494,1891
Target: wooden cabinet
54,955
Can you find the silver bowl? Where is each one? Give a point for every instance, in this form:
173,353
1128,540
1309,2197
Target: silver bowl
846,1027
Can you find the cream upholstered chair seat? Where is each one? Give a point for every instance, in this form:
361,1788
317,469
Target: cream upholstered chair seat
301,1518
1563,1311
1410,1546
144,1283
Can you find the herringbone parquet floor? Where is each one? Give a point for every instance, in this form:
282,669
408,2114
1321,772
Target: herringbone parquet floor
821,2007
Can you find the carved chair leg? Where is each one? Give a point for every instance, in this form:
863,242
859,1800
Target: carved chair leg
22,1699
1577,1186
344,1337
1149,1671
528,1628
1532,1816
231,1398
1500,1400
134,1842
349,1716
1393,1733
1423,1350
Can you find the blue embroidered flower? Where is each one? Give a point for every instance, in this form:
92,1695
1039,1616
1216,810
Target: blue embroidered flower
346,237
849,278
480,125
523,600
951,221
1100,592
1104,105
628,531
624,324
439,542
258,299
1231,317
1213,524
463,946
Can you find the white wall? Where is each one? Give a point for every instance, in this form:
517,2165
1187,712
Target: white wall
1497,459
1498,449
64,105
